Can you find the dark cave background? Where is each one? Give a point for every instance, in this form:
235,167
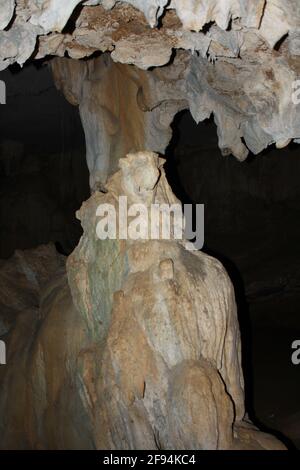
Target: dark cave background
43,172
252,222
252,225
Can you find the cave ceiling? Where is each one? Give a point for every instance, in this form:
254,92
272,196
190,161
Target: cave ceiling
241,57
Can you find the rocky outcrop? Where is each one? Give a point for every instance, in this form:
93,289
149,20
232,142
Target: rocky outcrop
125,109
40,404
23,278
141,347
122,108
39,18
146,355
241,57
170,364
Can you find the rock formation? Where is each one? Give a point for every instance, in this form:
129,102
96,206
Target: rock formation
122,108
171,359
241,57
147,355
140,348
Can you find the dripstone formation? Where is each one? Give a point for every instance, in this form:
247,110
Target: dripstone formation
137,344
147,355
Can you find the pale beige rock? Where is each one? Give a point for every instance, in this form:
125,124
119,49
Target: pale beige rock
241,60
42,402
141,349
145,354
170,364
122,108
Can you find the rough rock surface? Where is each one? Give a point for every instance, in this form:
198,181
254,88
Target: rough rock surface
243,55
168,320
146,350
22,278
126,109
148,356
122,108
40,404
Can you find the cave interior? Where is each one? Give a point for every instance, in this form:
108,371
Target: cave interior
251,221
65,124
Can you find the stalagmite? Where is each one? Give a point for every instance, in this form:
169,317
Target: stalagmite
147,355
136,343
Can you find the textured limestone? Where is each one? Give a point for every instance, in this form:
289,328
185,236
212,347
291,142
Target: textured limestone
6,12
40,402
146,355
113,21
171,356
122,108
253,112
144,352
126,109
242,56
21,280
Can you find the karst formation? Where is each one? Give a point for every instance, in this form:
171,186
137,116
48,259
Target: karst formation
139,341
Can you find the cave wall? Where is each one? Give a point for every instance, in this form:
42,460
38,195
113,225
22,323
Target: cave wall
252,227
220,58
251,209
40,402
43,172
251,216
